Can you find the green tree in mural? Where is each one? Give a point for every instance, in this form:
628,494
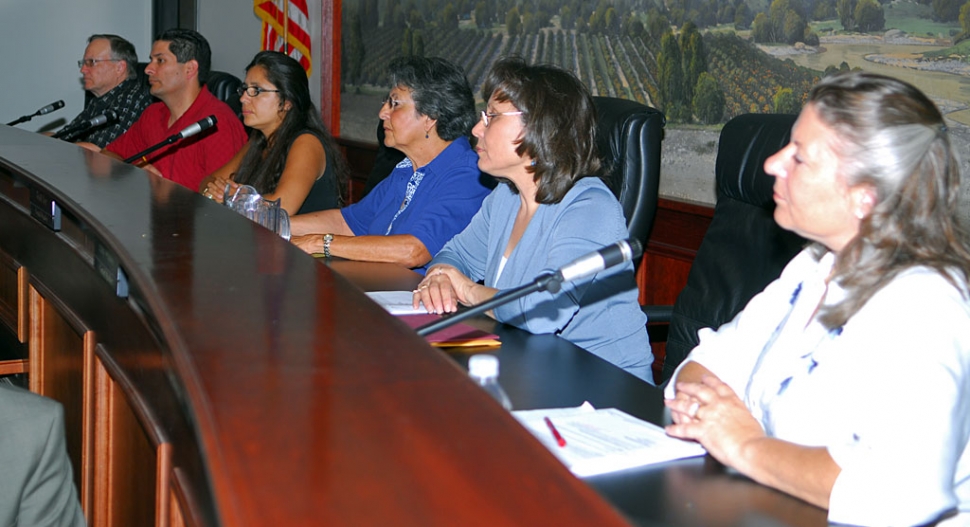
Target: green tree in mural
824,10
513,24
612,21
965,18
785,102
761,29
947,10
743,16
708,104
671,78
530,25
794,28
480,15
448,17
632,26
846,10
869,16
567,19
657,24
694,58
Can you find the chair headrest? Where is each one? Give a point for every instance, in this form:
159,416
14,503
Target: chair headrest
223,86
620,126
745,143
628,140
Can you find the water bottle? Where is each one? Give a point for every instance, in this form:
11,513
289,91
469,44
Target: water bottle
483,369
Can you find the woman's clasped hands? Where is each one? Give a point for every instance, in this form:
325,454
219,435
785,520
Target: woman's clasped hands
710,413
442,289
215,188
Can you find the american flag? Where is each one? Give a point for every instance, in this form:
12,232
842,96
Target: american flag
292,38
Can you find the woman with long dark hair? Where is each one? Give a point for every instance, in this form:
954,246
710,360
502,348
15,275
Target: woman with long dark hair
290,154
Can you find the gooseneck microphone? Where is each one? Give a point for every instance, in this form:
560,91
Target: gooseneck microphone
68,133
188,131
54,106
582,267
596,261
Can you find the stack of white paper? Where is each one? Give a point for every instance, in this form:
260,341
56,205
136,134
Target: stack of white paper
397,302
605,440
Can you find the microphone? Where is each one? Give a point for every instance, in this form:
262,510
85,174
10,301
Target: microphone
188,131
194,128
68,133
582,267
602,259
54,106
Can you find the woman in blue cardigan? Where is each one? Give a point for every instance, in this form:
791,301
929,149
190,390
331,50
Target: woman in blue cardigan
537,135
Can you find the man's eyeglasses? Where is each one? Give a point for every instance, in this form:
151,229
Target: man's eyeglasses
486,117
93,62
253,91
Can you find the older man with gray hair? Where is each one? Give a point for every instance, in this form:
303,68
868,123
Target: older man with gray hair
109,71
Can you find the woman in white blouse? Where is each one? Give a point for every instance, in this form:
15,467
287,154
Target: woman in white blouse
846,382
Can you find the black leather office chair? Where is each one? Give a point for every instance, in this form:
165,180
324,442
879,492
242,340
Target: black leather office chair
224,85
629,137
743,249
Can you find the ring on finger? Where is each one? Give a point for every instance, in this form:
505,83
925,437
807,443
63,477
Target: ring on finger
692,411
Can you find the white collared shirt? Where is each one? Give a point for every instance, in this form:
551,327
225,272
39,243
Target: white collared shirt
888,394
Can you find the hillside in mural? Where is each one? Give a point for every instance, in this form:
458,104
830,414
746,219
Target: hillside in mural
700,61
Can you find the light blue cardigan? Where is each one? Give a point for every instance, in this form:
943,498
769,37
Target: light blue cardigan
602,314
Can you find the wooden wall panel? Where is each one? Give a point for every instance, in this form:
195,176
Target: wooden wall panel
125,489
14,329
10,294
57,368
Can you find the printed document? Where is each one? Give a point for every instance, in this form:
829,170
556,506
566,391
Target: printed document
604,440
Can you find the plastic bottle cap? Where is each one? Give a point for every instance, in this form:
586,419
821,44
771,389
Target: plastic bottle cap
483,365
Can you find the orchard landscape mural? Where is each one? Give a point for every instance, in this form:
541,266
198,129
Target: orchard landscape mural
700,61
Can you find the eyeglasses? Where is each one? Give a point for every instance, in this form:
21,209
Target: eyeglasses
395,103
253,91
486,117
93,62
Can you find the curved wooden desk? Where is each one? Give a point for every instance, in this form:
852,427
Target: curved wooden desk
238,382
544,371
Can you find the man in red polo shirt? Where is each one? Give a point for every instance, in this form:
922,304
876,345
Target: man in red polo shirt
179,65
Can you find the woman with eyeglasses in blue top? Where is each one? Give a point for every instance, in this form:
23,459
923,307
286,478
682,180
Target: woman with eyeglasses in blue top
538,135
291,155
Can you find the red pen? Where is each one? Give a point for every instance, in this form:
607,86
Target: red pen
555,433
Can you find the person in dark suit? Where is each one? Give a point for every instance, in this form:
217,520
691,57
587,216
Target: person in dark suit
36,482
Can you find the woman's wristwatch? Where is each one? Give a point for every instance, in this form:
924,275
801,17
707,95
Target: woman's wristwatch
327,238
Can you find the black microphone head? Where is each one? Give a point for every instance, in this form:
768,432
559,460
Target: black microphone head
210,121
56,105
111,116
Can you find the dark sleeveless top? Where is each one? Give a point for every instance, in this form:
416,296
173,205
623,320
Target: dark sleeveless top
323,194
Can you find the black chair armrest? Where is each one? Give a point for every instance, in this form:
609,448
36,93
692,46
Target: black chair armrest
660,314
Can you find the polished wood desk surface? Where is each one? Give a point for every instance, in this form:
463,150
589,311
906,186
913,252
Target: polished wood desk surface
544,371
309,404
